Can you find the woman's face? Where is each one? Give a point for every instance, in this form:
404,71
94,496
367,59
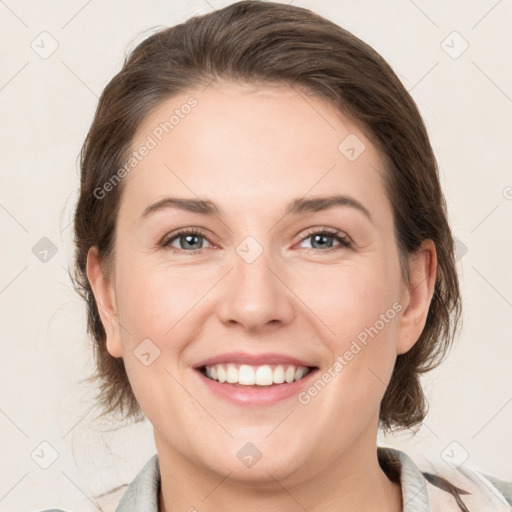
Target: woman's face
257,287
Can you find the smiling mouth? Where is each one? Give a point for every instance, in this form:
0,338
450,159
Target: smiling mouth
262,375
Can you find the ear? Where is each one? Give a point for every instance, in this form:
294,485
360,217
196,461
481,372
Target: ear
104,295
417,295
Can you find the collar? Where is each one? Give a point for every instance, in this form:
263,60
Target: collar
143,492
412,482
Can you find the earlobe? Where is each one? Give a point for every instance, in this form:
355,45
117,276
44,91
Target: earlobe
419,292
105,301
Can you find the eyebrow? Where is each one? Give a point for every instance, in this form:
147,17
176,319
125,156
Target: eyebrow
296,207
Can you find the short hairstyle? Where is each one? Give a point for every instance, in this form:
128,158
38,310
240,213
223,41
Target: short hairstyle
269,43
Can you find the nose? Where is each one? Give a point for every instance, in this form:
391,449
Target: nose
255,295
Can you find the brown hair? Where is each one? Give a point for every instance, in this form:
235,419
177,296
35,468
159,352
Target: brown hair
266,42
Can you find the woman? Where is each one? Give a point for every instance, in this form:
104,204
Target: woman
262,242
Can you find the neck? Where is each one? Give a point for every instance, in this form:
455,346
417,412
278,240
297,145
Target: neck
352,482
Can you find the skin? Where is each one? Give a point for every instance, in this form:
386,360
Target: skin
252,150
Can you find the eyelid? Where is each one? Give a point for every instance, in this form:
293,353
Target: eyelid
165,242
325,230
344,239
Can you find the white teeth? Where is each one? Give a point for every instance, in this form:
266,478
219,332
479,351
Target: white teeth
264,376
247,375
221,374
299,373
279,375
231,374
289,374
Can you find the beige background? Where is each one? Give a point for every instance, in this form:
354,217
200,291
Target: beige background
47,105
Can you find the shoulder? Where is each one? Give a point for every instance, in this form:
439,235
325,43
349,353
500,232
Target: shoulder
502,486
142,493
435,486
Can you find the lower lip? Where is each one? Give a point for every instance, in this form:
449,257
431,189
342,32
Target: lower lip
256,395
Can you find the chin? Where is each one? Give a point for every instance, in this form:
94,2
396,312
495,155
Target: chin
258,462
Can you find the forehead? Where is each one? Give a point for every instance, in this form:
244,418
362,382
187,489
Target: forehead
250,143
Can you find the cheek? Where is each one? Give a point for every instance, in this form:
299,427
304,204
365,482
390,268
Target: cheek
158,309
351,297
359,307
169,306
153,298
363,313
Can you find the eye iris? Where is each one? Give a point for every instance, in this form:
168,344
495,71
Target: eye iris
320,236
189,238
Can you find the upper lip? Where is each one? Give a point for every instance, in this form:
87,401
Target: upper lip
253,359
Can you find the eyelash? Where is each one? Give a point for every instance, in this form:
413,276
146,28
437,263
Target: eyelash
345,242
